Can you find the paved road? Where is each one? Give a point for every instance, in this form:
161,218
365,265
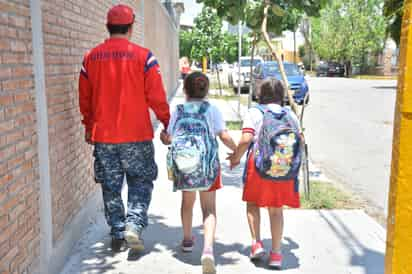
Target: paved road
349,128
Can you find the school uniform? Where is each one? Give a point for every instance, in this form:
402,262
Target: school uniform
216,123
260,191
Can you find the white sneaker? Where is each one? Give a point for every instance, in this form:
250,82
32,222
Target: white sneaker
208,263
133,240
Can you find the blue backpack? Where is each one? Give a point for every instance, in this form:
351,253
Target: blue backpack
193,161
277,151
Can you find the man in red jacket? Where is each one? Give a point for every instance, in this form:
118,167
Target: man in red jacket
119,82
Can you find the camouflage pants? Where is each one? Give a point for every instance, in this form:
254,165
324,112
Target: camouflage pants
136,162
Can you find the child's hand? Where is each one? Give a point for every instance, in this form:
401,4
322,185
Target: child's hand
234,160
165,137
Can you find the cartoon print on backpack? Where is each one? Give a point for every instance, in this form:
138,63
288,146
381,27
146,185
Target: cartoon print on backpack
277,150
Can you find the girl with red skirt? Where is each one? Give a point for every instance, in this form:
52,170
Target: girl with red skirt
259,192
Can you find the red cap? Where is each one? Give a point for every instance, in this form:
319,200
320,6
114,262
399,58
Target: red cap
120,15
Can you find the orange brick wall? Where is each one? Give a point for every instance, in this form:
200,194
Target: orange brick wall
19,175
71,28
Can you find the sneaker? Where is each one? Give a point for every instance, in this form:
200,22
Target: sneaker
118,245
133,240
187,245
275,260
208,263
257,251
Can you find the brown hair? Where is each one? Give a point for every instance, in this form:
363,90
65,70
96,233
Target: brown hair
196,85
271,91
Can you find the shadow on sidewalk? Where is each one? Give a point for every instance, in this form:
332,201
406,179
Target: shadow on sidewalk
160,237
290,261
169,237
372,261
159,233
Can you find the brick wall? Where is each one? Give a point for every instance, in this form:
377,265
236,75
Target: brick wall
70,29
19,175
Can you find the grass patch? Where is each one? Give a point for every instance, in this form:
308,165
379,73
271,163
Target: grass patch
374,77
215,85
234,125
311,73
223,97
243,99
324,195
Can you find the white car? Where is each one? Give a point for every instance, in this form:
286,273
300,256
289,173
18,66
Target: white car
245,76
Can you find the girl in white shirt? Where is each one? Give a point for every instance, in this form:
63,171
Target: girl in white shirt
196,88
259,192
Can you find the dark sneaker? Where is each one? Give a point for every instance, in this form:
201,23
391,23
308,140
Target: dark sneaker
133,240
118,245
187,245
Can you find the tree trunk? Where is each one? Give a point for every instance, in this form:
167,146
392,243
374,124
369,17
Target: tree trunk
292,102
204,64
348,68
255,39
294,46
218,80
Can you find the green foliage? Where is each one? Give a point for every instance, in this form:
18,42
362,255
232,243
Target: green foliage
302,51
393,11
206,39
283,15
349,30
207,35
230,47
229,10
185,43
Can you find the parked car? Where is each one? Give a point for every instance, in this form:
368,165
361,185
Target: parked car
330,69
295,77
245,78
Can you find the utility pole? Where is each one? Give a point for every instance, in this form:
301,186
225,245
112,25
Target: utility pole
238,64
399,238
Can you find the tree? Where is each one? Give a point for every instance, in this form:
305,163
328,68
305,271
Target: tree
207,35
266,16
349,31
185,43
230,47
393,11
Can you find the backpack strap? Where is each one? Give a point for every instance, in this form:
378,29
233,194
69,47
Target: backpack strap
261,108
180,109
204,107
279,116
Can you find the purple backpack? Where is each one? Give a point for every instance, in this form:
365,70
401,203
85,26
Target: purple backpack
277,151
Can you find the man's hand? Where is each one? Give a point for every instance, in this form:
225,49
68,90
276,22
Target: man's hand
165,137
88,138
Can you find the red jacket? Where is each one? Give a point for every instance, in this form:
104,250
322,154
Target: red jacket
119,82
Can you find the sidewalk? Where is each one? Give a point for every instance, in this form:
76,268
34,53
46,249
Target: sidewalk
315,241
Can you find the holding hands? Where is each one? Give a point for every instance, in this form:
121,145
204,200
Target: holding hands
165,137
234,159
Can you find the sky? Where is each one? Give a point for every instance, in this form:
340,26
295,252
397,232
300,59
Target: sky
192,9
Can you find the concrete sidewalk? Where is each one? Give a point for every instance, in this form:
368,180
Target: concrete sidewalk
332,242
